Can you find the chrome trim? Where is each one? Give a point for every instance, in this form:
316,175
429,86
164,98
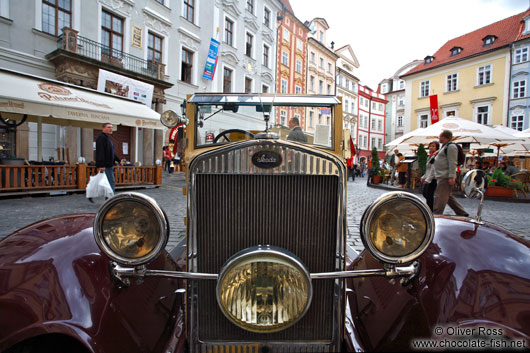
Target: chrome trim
369,214
145,200
260,251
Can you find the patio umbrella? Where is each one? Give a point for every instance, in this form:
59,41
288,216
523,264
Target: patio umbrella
523,134
507,146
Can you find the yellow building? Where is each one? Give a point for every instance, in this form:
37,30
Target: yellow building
468,75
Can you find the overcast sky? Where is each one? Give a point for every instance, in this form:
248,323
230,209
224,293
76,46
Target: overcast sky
387,34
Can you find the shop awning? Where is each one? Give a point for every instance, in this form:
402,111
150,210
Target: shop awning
55,102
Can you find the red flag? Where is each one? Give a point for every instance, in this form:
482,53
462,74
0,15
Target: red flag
434,108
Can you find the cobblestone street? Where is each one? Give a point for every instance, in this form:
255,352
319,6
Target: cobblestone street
19,212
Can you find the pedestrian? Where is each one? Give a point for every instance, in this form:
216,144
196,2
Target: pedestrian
350,167
394,159
445,174
428,179
105,156
296,133
176,162
167,158
401,169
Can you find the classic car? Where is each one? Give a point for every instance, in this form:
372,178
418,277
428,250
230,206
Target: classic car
265,265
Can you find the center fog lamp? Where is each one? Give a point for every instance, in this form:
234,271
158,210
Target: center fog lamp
397,227
131,229
264,289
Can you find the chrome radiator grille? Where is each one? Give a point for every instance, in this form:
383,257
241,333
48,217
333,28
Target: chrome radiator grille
234,210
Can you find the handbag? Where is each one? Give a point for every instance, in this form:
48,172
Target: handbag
99,186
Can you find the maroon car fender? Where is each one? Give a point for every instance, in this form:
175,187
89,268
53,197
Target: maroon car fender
471,276
55,280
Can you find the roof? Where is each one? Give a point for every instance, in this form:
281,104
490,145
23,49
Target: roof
472,43
287,5
521,35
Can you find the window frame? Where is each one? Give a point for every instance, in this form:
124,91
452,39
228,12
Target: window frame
111,31
56,11
267,19
285,58
520,55
230,81
425,87
485,74
265,57
284,86
153,51
249,51
421,120
248,84
451,82
479,116
185,71
250,6
229,32
298,66
521,89
519,119
187,5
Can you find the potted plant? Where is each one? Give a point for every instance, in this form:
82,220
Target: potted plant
376,169
422,159
500,185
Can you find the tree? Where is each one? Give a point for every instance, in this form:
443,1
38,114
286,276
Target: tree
422,158
375,161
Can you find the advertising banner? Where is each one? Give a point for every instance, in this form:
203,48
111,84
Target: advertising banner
434,109
126,87
211,60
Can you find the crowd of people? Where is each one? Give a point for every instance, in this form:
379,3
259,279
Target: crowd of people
171,160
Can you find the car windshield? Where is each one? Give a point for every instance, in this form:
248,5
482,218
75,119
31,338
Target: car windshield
226,118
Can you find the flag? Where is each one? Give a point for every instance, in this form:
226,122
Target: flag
434,109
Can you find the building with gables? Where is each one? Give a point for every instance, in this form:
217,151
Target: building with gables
347,87
371,122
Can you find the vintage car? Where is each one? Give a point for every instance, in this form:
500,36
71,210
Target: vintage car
265,265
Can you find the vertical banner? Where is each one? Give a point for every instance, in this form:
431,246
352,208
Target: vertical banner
434,109
211,60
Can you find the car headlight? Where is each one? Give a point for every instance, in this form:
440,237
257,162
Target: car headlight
131,229
397,227
264,289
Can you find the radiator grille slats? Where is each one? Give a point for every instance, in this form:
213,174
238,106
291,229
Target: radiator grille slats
295,212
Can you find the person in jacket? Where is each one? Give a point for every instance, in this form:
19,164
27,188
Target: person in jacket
296,133
105,156
402,170
511,169
428,180
445,174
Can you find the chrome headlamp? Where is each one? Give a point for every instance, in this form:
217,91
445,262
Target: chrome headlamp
264,289
397,227
131,229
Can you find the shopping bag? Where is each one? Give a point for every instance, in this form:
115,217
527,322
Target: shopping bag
99,186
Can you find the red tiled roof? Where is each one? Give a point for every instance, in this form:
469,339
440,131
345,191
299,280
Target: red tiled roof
520,35
506,31
287,5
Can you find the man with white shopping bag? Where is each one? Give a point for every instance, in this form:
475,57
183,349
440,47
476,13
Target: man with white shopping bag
105,156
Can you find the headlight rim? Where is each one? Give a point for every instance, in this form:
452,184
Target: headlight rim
163,225
271,251
370,212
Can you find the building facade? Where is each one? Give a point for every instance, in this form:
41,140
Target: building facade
371,122
291,58
321,68
347,87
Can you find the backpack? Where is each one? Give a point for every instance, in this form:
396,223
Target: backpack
460,155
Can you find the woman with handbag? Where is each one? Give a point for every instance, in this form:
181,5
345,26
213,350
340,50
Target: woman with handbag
429,183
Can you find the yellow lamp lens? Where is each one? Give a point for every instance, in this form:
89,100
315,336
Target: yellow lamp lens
264,292
130,229
398,228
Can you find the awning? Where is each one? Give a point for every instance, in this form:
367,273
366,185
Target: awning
55,102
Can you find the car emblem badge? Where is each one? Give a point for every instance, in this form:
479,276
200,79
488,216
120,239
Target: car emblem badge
266,159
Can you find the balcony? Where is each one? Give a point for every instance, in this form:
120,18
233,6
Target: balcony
93,52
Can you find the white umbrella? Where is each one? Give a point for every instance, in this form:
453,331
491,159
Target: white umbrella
523,134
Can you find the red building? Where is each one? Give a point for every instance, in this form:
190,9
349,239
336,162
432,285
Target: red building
371,122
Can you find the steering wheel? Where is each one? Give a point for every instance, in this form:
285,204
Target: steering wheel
228,132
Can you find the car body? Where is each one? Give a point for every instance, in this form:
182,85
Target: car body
265,265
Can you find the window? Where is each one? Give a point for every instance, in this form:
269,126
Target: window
321,36
248,48
519,89
264,89
320,86
312,57
400,121
283,117
401,100
56,14
229,32
424,120
286,34
187,65
450,113
284,86
267,17
329,67
319,118
265,56
425,88
112,33
489,40
321,63
452,83
189,10
373,124
248,85
521,55
329,89
340,80
380,144
298,90
484,75
482,115
311,118
455,51
401,84
312,83
517,122
250,6
227,80
373,142
285,58
379,125
154,48
347,84
298,44
428,59
298,66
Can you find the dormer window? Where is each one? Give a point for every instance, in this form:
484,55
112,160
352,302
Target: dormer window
526,25
428,59
456,51
489,39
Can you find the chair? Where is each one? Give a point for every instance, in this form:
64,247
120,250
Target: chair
385,177
523,178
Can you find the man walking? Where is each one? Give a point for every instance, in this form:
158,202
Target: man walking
445,174
105,156
296,133
394,159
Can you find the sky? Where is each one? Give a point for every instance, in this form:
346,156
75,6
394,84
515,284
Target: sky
388,34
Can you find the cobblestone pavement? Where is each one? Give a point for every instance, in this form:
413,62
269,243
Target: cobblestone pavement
19,212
